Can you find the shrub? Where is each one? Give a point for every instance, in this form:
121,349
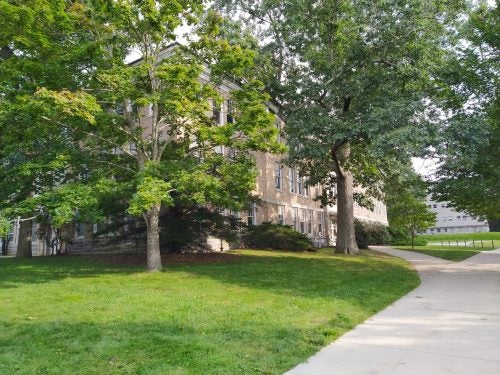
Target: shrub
400,237
275,236
369,233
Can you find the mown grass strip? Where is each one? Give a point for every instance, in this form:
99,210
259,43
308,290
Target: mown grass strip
262,314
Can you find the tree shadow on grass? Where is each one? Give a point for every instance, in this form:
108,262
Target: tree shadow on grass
16,272
225,347
365,279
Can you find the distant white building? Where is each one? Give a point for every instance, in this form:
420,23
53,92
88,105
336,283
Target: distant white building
451,221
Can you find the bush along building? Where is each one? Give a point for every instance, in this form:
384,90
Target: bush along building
450,221
281,196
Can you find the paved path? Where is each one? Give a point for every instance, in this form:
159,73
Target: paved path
449,325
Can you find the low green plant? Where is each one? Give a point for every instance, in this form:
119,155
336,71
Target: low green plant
399,237
275,236
368,233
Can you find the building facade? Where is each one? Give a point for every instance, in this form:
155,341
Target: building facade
450,221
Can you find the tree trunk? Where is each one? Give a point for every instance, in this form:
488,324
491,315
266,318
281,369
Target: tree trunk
153,239
24,239
413,241
346,238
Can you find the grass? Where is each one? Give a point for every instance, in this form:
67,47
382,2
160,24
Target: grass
449,251
453,253
262,314
463,237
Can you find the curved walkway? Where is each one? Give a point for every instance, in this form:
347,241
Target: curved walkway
449,325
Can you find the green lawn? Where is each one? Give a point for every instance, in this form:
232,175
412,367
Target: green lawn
261,314
463,236
452,253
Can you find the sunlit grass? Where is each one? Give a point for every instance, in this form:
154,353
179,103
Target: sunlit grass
453,253
261,314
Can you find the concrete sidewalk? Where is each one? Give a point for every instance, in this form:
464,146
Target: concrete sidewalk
449,325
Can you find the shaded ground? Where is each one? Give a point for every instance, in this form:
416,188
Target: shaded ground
169,259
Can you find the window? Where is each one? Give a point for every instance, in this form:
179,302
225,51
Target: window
251,214
230,112
34,232
277,125
278,177
434,205
305,188
295,218
292,178
300,187
216,112
80,230
281,215
321,220
234,218
302,224
309,215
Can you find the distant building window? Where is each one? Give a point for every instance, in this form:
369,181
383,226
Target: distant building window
439,230
281,215
278,176
434,205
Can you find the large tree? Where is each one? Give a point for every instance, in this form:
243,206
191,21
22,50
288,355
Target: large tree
355,82
468,175
141,131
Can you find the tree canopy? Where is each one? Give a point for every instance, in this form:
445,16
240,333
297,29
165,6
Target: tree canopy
357,83
468,174
95,128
